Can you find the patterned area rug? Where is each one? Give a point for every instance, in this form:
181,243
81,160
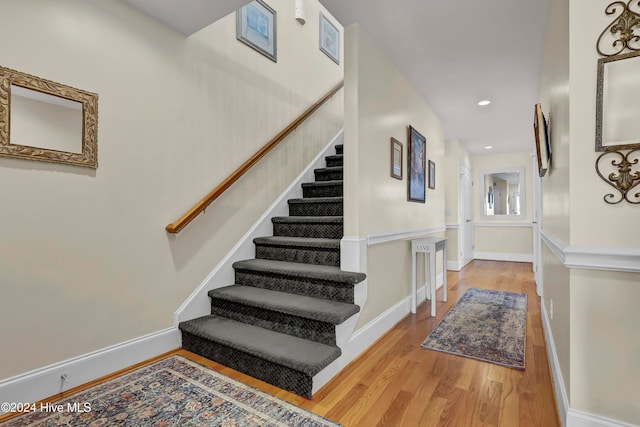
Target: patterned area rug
172,392
485,325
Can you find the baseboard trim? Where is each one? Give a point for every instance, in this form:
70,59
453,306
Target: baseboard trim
576,418
503,256
45,382
367,335
562,400
454,265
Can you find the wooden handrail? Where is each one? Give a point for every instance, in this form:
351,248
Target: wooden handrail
199,207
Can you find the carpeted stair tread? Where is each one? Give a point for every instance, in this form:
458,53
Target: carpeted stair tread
335,183
334,160
299,354
323,310
339,148
298,242
329,169
317,200
308,219
330,173
299,270
316,206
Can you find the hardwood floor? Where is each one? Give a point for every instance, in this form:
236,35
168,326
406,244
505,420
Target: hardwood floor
397,383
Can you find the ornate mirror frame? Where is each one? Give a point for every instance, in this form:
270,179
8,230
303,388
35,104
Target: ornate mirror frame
89,155
601,101
618,165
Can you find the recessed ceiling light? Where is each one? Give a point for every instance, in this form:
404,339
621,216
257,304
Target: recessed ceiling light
483,103
488,147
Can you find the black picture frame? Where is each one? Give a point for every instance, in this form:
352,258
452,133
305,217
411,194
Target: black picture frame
416,183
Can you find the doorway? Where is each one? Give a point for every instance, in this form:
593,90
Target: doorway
466,215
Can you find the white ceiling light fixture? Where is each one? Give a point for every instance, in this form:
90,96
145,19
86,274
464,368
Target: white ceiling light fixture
488,147
484,102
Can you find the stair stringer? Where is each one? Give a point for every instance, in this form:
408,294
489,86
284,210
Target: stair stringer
198,303
344,334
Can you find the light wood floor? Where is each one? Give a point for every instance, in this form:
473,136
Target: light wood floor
397,383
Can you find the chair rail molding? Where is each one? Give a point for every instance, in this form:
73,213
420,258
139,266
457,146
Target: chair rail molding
379,238
625,260
603,258
503,224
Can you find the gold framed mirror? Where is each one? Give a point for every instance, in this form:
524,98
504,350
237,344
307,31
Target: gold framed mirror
47,121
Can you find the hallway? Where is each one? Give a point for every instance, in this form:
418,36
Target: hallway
396,383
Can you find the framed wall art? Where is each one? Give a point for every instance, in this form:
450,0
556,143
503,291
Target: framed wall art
329,39
432,175
417,165
256,27
396,159
542,140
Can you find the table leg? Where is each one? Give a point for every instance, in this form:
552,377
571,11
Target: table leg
432,280
413,282
444,272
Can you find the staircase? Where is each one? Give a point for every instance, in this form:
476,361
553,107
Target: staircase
278,321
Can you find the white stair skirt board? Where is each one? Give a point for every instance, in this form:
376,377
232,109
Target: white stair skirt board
198,303
499,256
45,382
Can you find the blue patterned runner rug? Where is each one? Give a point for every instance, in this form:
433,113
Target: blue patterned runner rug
171,392
485,325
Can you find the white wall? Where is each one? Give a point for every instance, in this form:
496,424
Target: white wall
380,104
86,262
612,342
554,97
503,237
594,321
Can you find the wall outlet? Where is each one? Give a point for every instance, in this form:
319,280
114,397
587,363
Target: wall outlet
551,308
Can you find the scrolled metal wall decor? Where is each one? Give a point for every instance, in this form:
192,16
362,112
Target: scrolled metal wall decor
625,28
620,163
625,179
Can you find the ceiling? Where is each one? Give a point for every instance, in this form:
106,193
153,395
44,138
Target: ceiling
455,53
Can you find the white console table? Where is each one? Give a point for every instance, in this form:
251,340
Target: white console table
429,246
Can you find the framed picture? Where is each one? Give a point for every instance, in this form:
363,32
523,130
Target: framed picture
542,140
329,39
396,159
256,27
417,162
432,175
